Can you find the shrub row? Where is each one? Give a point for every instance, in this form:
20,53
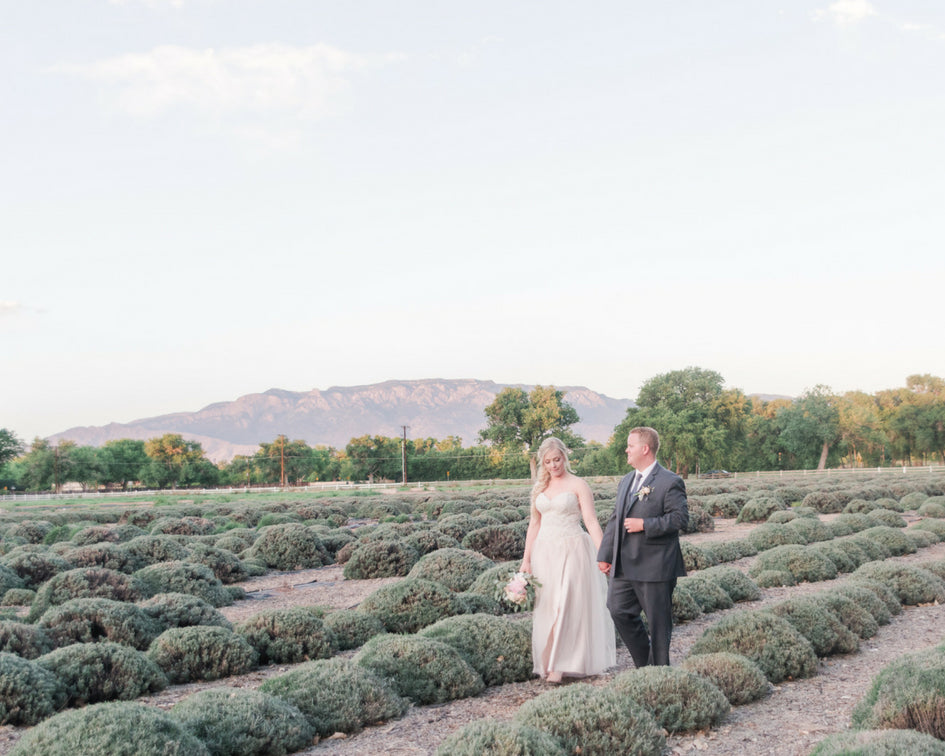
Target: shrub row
786,639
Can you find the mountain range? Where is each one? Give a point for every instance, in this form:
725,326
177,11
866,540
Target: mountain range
432,408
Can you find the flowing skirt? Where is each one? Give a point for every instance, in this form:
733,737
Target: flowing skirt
572,631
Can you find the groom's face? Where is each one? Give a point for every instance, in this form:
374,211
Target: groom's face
636,451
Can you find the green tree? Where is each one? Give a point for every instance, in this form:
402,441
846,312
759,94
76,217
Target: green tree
373,458
929,397
123,460
428,459
811,426
762,449
861,436
899,419
66,463
520,421
597,459
481,463
240,471
731,410
174,462
35,470
449,445
84,465
46,467
325,464
11,447
700,424
914,418
284,461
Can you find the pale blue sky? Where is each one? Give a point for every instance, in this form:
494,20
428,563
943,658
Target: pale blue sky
201,199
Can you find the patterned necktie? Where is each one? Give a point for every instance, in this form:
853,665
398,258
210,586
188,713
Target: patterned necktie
625,508
627,504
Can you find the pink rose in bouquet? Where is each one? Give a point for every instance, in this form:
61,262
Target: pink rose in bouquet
516,590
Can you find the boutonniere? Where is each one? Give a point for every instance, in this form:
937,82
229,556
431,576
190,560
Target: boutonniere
643,492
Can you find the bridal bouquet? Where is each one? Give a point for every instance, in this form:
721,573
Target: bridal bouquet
517,591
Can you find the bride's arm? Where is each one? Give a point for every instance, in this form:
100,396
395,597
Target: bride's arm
589,513
534,523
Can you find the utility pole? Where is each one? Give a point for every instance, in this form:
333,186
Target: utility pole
282,459
403,453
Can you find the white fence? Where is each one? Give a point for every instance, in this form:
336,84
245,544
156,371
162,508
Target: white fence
152,492
442,484
309,488
840,472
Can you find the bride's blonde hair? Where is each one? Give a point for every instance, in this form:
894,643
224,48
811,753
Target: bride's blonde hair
541,479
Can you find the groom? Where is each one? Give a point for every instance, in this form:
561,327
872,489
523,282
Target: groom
640,550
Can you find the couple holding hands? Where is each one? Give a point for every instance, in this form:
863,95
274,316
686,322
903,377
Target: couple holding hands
638,551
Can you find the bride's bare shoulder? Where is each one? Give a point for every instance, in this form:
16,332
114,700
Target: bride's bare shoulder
579,485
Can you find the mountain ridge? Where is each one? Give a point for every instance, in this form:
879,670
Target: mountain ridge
430,408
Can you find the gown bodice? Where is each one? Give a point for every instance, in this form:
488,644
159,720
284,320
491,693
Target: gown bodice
560,514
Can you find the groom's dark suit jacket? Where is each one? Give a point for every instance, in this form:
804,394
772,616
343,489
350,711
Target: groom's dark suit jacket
653,555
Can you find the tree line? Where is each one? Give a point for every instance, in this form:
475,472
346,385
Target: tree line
703,426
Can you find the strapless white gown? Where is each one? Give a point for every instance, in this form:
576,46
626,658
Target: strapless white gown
572,631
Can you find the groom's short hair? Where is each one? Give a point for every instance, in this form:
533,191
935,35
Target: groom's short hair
650,437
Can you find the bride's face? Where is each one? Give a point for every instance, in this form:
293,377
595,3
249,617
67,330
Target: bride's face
553,462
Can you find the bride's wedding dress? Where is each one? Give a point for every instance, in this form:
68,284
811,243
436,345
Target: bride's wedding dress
572,632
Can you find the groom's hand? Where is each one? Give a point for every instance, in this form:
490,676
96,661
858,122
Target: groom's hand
604,567
633,524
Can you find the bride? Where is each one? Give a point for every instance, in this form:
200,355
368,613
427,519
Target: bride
572,632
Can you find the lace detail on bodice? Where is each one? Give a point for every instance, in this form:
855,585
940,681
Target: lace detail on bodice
560,514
